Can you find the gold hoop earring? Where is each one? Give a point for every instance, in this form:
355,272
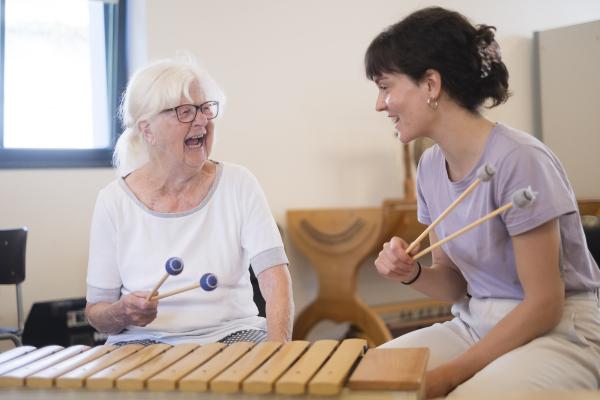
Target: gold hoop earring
433,103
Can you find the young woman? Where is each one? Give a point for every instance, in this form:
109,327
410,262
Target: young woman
524,283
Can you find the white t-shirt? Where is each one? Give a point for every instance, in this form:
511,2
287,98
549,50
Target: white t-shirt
231,229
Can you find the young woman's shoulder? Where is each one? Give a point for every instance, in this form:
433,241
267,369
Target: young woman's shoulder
513,139
511,145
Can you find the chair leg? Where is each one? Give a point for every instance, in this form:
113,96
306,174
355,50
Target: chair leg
307,319
371,324
16,337
20,316
16,340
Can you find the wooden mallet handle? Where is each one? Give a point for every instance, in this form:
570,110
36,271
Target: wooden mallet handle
176,291
484,174
207,282
173,266
521,198
463,230
158,284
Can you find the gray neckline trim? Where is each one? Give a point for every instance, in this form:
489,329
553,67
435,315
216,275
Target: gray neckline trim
145,208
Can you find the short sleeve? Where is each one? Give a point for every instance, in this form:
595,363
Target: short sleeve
529,166
103,278
260,235
423,214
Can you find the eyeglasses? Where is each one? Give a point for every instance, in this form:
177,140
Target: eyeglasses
187,112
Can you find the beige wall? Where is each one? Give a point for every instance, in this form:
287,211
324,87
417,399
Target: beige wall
570,120
300,116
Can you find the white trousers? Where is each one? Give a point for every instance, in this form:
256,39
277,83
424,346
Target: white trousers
568,357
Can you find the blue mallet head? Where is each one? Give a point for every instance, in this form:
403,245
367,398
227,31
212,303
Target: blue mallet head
208,282
174,266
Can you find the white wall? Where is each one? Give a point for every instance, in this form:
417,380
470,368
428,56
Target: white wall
300,115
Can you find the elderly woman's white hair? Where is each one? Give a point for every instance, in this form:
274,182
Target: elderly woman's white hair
150,90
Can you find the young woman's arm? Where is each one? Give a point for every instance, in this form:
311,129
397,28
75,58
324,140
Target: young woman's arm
537,260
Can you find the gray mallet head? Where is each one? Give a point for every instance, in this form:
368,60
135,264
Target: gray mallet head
523,197
485,172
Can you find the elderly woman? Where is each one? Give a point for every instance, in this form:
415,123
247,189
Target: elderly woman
172,200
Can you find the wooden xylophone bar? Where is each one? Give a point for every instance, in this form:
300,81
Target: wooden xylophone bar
323,368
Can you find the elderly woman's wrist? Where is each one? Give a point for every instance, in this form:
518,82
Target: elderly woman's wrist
119,317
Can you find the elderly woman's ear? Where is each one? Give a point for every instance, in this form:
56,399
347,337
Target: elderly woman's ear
146,131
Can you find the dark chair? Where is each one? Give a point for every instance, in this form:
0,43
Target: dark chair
591,227
12,272
259,300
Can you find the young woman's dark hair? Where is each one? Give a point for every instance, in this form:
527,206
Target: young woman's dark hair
466,56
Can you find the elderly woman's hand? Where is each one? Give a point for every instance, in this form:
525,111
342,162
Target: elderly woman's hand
136,310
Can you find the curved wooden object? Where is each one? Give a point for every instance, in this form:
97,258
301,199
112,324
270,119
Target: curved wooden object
337,241
400,219
589,206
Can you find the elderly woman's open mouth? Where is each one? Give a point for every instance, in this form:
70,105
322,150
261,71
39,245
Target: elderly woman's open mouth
195,141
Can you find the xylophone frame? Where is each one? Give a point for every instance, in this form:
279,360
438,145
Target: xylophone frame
298,369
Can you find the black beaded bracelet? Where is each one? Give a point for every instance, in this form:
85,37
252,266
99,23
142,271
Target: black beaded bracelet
416,276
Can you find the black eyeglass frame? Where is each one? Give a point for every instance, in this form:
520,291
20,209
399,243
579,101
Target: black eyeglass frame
197,107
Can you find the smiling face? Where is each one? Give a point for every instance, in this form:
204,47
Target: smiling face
180,144
405,102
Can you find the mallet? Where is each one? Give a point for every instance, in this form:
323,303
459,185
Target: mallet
520,199
173,266
484,174
207,282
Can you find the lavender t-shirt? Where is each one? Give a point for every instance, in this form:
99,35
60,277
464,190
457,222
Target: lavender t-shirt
485,254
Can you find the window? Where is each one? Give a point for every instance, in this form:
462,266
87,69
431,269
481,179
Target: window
63,69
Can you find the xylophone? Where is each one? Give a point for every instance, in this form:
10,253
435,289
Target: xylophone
299,368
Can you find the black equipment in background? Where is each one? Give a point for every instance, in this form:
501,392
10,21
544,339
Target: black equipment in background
591,228
60,322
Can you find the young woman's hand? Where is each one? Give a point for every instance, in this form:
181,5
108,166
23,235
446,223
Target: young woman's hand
393,262
440,381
